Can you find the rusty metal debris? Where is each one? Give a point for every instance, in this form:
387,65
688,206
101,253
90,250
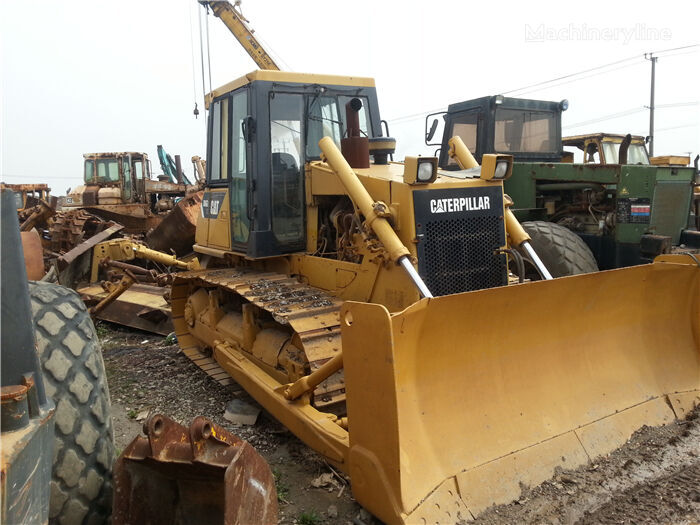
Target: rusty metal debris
176,231
118,197
67,258
192,475
113,291
40,214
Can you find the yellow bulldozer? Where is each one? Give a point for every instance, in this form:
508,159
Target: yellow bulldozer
375,308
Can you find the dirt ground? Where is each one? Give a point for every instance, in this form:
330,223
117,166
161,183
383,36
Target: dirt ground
654,478
146,374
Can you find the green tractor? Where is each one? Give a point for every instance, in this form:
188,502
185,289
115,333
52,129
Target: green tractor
625,213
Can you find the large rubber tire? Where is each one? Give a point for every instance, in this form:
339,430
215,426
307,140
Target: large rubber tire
561,250
74,375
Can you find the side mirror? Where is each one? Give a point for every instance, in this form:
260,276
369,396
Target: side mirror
430,133
429,136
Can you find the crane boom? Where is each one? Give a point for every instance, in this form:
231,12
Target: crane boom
237,24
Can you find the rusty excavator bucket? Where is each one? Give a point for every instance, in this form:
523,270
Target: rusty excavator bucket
458,401
189,476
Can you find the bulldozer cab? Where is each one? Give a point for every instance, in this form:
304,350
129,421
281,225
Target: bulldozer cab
604,148
263,129
530,130
127,171
27,195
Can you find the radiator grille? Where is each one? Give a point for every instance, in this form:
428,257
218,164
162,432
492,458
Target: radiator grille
457,255
670,209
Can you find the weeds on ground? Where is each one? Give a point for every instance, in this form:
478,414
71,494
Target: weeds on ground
132,414
310,517
282,488
101,330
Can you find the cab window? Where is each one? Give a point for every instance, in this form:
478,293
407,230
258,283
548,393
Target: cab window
364,114
107,170
89,170
138,169
591,154
464,126
287,165
323,121
238,168
126,171
218,154
525,131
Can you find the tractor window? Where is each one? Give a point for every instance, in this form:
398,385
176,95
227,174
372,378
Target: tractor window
519,131
107,170
591,155
89,170
464,125
238,171
636,154
323,121
126,170
287,164
138,169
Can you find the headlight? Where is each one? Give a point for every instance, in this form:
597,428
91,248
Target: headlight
501,170
420,170
496,167
425,171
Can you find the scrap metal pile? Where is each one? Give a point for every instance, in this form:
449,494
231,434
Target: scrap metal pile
63,237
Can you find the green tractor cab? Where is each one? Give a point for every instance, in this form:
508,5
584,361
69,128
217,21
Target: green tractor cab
627,213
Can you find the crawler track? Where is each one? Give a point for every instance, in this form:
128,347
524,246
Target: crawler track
311,313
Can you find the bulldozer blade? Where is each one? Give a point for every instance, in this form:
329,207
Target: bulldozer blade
189,476
457,402
142,306
176,231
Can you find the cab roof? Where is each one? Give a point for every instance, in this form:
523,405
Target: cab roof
289,77
113,154
579,140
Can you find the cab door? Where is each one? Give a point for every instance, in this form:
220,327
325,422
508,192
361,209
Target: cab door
127,182
224,222
137,168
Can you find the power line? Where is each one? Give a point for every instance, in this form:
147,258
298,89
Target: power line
689,125
607,117
679,104
673,49
422,114
630,111
521,93
636,57
598,70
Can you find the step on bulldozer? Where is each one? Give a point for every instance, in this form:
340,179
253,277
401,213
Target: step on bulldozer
368,305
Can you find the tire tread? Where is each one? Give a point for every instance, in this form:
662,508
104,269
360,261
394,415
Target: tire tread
75,377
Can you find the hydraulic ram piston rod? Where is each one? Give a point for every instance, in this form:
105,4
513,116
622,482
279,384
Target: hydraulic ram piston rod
536,260
368,207
405,261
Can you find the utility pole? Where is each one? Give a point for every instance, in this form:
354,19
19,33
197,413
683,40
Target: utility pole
653,59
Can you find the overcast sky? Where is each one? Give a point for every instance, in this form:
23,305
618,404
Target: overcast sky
91,76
